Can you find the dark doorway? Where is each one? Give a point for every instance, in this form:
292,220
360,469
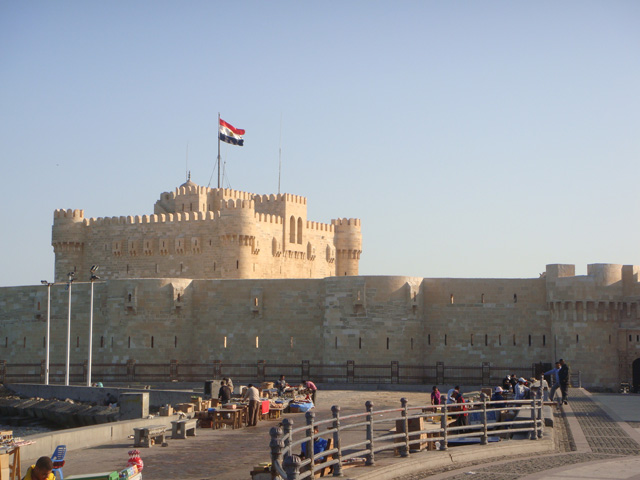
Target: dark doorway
636,375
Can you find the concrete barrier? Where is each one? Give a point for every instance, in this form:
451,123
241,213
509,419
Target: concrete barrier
157,398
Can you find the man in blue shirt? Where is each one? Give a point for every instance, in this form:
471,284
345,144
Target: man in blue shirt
556,379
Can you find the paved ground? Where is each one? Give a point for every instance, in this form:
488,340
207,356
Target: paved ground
598,437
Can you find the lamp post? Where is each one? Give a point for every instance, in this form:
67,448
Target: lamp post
93,278
71,276
46,361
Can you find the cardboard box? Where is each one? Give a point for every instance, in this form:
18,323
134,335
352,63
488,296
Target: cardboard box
166,411
185,407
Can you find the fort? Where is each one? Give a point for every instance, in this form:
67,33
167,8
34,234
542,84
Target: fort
218,276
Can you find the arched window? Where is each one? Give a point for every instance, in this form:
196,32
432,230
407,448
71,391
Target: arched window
300,230
292,230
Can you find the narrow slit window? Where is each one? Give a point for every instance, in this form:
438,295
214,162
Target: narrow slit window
387,343
175,342
257,342
152,341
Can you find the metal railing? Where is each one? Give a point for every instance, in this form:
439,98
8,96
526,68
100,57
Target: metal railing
405,430
350,372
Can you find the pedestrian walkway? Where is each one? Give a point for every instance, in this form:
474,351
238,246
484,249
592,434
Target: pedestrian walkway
603,444
598,437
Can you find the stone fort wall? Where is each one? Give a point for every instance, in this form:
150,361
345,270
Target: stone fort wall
592,321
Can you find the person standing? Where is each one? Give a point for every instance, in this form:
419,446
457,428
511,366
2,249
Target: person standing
435,396
521,390
309,385
253,395
281,385
556,379
563,375
224,394
229,383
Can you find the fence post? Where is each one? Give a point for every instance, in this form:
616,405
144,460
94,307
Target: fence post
217,369
485,433
404,451
540,424
534,434
439,373
173,370
310,416
370,456
443,425
337,468
277,447
291,465
287,426
351,367
395,372
131,370
486,373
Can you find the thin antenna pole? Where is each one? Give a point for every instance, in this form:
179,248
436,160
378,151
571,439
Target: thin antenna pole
280,155
218,127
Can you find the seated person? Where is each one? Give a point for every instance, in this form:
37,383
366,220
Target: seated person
496,397
319,445
42,470
281,384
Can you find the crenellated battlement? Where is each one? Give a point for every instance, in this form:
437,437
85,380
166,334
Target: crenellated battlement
148,219
281,197
353,222
69,215
237,204
320,227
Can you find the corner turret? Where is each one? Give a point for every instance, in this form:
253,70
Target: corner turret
348,242
67,239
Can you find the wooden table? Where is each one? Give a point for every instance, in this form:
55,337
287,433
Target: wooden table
15,472
228,416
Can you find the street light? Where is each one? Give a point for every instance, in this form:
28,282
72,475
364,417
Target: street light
92,279
71,276
46,368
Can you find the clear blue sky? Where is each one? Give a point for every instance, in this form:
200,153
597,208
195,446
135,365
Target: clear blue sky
473,139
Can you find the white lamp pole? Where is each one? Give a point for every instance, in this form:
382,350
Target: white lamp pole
46,361
66,373
94,268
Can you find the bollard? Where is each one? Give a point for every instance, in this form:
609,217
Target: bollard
337,468
404,451
287,426
370,456
277,447
310,416
292,467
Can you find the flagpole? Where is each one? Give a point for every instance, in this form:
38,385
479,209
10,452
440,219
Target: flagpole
218,149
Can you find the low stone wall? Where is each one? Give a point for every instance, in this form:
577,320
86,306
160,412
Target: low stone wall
157,398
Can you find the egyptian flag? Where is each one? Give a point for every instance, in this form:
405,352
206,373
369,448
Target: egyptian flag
229,134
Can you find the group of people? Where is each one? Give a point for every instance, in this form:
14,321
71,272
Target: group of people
453,397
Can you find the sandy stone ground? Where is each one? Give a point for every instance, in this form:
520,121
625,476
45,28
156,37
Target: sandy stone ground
226,454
